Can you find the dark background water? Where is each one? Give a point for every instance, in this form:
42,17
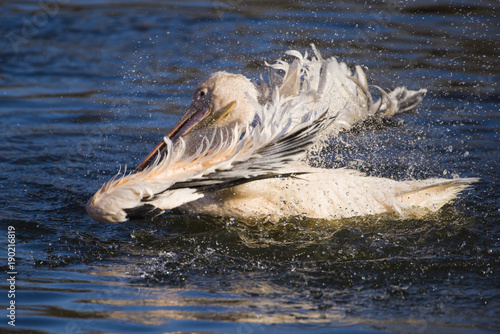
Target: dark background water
87,87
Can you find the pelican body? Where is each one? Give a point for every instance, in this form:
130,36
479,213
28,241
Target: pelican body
241,151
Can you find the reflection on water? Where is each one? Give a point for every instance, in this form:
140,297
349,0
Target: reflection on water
88,87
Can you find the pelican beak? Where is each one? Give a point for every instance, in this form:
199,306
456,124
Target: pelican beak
197,117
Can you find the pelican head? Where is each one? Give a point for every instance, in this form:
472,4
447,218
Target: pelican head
222,100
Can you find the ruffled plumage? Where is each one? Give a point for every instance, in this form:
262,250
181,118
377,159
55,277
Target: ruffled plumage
301,104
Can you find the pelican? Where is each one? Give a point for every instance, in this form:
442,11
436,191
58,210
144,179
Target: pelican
241,151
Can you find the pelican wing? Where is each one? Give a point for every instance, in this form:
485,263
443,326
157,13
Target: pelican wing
266,162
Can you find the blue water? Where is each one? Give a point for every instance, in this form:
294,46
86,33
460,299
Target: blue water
87,87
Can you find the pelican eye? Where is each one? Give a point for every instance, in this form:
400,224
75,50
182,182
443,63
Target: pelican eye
202,93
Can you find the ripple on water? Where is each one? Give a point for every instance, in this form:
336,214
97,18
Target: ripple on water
98,84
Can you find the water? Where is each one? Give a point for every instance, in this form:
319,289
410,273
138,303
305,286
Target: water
88,87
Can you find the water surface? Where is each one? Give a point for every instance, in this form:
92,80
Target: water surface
87,87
